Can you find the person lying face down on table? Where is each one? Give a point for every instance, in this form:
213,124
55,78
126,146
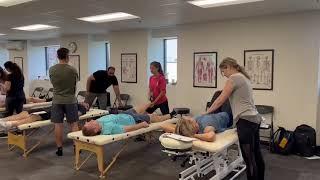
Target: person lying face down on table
27,117
130,120
203,127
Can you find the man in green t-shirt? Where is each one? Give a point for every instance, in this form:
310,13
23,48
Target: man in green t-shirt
64,103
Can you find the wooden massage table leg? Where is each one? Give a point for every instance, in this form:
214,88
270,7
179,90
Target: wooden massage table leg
99,151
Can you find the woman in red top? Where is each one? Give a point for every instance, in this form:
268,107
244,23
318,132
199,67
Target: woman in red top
157,92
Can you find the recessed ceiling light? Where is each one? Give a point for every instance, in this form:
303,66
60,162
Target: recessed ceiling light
118,16
169,4
217,3
35,27
7,3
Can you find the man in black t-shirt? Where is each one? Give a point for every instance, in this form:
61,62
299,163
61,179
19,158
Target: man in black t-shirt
97,84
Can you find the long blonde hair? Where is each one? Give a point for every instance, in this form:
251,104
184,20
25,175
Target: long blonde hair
233,63
185,128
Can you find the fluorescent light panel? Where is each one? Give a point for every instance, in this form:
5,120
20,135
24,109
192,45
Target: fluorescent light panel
217,3
35,27
118,16
2,34
7,3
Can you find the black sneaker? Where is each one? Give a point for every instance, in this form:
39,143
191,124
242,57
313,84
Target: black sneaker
59,151
173,114
49,100
3,135
140,138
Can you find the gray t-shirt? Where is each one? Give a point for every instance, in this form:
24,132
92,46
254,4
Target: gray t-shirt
64,79
241,100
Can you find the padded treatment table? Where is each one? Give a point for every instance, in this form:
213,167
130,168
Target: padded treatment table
95,144
207,157
20,140
31,106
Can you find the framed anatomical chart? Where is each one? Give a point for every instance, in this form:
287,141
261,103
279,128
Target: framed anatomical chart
205,69
259,66
129,67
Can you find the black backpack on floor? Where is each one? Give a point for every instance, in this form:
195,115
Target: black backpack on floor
282,142
305,141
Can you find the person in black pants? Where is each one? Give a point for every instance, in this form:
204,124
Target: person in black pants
238,89
157,89
14,87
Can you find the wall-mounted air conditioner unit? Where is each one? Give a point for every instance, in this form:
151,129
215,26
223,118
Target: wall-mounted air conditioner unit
15,45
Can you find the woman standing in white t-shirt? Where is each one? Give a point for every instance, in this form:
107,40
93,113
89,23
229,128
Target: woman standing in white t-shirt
238,89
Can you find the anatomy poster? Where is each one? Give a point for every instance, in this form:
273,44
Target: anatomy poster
129,68
259,66
205,69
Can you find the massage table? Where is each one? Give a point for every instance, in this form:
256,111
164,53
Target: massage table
31,106
18,137
206,157
95,145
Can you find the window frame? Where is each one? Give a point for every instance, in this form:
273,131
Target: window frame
46,57
165,56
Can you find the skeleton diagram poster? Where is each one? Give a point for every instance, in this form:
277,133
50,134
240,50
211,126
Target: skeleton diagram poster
129,67
205,69
259,66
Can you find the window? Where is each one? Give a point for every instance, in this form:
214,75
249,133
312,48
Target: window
107,55
170,59
51,56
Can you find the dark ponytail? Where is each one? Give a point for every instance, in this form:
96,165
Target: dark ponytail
158,66
14,69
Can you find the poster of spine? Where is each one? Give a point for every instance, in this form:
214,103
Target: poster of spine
205,69
129,67
259,66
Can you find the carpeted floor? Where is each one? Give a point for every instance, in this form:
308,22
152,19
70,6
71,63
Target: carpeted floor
140,161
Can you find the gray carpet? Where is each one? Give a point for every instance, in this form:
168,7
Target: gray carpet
139,161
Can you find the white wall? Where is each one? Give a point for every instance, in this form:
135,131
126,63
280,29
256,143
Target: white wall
295,40
294,37
97,56
133,42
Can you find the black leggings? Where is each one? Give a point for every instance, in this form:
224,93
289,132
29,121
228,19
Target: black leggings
164,108
15,104
248,133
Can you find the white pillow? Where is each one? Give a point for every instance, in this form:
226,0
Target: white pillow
171,143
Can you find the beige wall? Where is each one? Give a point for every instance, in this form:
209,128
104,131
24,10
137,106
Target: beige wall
133,42
294,38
